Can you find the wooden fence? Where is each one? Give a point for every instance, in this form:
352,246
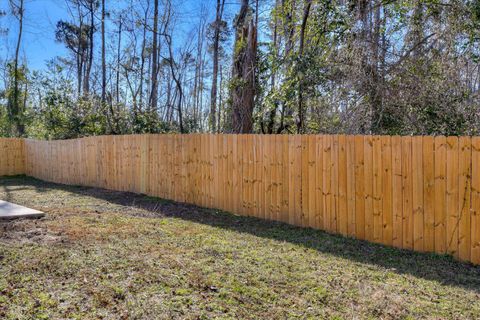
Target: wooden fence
418,193
12,159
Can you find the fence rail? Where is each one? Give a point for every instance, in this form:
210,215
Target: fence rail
418,193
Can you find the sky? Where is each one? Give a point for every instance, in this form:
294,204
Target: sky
39,43
41,16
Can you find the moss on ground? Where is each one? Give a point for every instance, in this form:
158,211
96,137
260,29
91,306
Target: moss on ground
113,255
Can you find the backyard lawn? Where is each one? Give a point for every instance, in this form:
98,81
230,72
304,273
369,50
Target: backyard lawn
102,254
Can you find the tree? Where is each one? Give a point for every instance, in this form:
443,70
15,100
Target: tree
104,64
218,25
243,73
154,92
301,111
295,66
91,6
15,104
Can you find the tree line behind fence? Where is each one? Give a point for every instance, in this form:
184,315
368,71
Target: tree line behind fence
419,193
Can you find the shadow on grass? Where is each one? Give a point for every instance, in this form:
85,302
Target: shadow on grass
443,269
9,188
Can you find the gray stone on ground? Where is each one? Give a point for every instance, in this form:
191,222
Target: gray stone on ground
10,211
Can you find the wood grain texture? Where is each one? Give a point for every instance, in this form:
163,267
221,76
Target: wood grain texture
12,156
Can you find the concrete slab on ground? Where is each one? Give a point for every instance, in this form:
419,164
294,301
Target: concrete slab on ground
10,211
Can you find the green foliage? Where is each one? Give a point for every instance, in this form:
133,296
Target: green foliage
60,115
393,75
14,99
148,122
73,36
395,67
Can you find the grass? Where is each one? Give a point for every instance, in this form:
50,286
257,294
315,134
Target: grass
112,255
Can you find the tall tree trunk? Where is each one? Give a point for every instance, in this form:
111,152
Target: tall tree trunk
417,30
104,66
198,75
200,89
273,112
289,27
17,109
169,93
117,81
243,74
86,81
373,69
221,111
177,83
79,59
154,93
216,47
301,111
80,54
142,62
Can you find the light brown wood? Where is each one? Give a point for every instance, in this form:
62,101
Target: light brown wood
350,164
475,203
368,183
407,187
342,221
334,185
312,182
326,180
429,193
417,193
464,198
359,187
387,189
319,182
378,189
12,156
452,196
297,177
440,196
285,179
304,195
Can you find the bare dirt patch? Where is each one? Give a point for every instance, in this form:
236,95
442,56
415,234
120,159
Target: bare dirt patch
21,231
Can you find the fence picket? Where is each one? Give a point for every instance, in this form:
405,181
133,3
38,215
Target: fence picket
378,189
429,193
417,193
452,196
387,187
464,196
368,181
407,221
475,203
342,186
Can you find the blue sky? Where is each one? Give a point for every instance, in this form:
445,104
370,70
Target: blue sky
38,43
41,16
